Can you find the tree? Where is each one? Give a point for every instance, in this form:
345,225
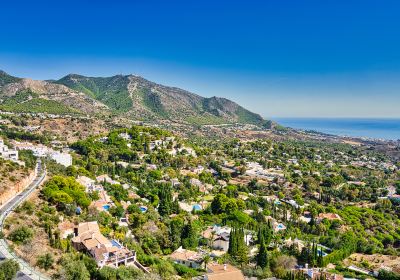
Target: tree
265,234
8,269
45,261
189,237
262,256
388,275
75,270
206,260
166,204
283,263
237,247
219,203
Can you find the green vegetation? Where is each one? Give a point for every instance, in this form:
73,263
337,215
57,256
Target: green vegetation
111,91
8,269
275,204
21,235
64,191
30,102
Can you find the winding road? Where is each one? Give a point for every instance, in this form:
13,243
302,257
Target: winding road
26,271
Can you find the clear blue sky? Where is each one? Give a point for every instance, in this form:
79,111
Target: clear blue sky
277,58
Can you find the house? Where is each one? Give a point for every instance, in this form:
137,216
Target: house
105,252
196,182
107,179
294,243
7,153
328,216
315,273
125,136
87,183
187,257
221,242
223,272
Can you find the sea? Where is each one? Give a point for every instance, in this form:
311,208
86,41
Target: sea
388,129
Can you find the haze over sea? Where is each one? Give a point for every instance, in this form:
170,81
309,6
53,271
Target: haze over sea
388,129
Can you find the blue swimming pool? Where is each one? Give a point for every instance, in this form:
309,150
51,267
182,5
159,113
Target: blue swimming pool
143,209
196,207
115,243
106,207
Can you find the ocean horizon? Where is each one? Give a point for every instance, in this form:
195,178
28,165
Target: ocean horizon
377,128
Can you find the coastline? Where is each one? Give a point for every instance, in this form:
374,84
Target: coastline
382,129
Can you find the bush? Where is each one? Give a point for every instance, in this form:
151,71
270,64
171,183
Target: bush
21,235
45,261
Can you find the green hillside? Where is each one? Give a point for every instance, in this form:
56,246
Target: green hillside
29,102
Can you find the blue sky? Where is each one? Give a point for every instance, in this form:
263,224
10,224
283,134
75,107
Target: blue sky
306,58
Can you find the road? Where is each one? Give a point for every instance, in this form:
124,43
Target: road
26,272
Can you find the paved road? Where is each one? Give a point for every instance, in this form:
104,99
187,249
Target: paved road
26,272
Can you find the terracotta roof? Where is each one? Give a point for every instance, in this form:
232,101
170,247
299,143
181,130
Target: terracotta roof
88,226
217,272
329,216
185,255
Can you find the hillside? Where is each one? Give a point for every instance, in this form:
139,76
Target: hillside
26,95
127,96
139,98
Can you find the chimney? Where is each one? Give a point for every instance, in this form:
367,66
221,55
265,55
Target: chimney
225,266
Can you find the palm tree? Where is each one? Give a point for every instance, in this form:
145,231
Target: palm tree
206,260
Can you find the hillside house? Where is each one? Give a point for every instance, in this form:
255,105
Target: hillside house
187,257
217,271
88,238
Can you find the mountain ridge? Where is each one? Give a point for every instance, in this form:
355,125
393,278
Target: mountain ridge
134,97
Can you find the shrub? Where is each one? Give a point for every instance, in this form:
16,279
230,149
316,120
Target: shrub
21,235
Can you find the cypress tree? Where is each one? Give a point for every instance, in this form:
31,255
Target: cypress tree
262,256
165,195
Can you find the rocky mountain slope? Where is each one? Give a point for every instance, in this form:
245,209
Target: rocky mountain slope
26,95
129,96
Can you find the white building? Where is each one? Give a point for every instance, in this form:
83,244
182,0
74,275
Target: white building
7,153
61,158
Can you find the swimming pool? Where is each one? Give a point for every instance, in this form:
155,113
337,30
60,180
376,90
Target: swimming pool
106,207
143,209
115,243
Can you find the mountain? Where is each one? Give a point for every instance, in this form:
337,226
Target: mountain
26,95
6,79
127,96
142,99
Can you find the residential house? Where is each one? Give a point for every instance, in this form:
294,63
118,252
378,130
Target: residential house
217,271
328,216
105,252
187,257
87,182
